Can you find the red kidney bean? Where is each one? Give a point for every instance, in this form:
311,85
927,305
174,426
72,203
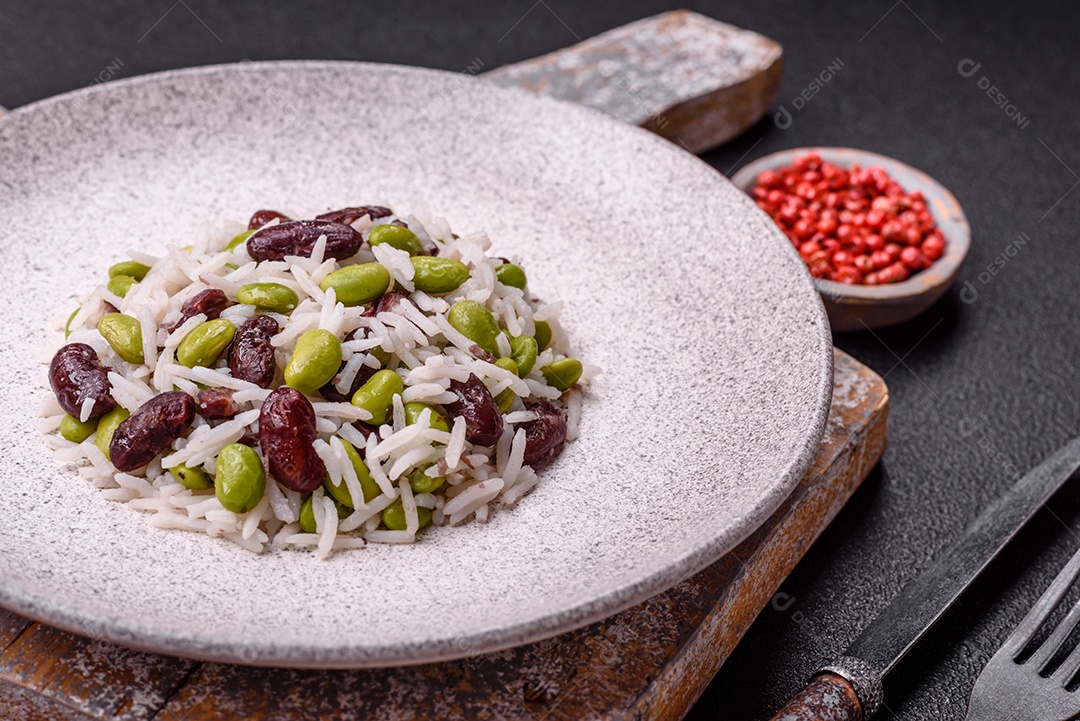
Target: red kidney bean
251,357
262,217
76,374
483,421
298,237
332,394
546,433
150,429
286,434
216,404
482,354
348,216
209,302
365,430
250,438
385,304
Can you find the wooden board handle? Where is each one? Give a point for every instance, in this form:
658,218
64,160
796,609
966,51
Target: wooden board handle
827,697
686,77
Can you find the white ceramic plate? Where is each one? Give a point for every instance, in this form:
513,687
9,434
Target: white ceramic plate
716,353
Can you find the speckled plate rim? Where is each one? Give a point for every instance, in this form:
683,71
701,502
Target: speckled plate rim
617,598
947,213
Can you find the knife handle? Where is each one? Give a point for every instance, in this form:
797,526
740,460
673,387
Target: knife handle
827,697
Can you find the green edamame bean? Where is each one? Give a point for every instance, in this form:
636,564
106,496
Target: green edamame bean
74,430
120,285
511,275
67,326
504,400
476,323
396,237
193,477
437,275
124,334
339,491
506,397
524,350
421,482
394,516
307,517
314,362
130,268
413,409
307,514
507,364
358,284
542,335
203,345
241,480
239,239
274,297
377,395
106,427
563,373
368,486
380,354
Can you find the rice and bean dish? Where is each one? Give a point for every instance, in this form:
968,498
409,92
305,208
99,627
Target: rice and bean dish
317,384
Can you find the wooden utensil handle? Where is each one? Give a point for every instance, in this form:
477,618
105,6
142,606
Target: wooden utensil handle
827,697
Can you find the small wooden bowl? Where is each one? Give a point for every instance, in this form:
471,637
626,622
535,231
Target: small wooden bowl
857,307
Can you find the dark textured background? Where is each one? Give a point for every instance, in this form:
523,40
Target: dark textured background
981,391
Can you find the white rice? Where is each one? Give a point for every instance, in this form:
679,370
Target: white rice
348,472
50,424
353,436
426,351
349,372
129,394
520,417
86,409
516,458
465,503
329,525
456,445
526,480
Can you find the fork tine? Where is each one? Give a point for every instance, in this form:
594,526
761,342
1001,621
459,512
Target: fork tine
1070,665
1057,639
1043,608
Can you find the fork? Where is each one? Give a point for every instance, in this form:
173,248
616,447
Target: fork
1012,688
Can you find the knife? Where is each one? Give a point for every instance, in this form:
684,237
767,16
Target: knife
850,688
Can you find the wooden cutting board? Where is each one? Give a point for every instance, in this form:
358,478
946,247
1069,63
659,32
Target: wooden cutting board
699,83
